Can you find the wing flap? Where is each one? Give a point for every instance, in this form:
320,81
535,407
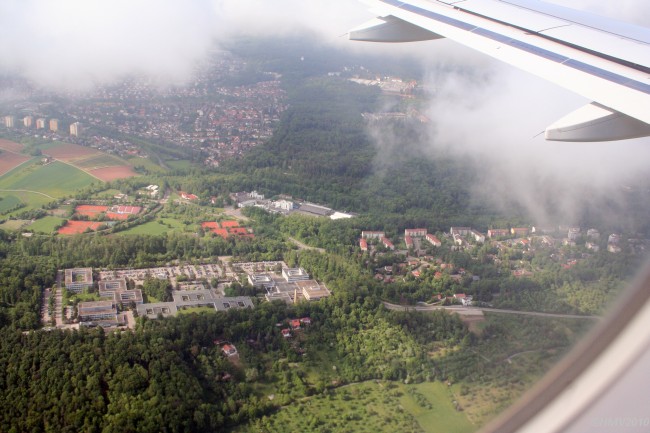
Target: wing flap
390,29
594,122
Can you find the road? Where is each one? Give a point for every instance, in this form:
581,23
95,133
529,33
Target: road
469,311
29,191
305,247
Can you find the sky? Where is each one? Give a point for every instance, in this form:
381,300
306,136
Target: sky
481,109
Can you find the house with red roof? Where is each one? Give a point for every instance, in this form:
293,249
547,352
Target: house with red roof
433,240
387,243
229,350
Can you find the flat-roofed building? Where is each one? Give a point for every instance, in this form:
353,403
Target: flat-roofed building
312,291
10,121
153,310
40,123
294,274
478,236
112,286
28,121
97,310
261,281
369,234
593,234
75,129
224,304
497,233
54,125
415,233
314,209
78,279
125,297
520,231
462,231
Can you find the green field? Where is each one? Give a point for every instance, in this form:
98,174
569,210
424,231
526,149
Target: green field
13,225
46,224
8,202
370,407
181,164
55,180
155,228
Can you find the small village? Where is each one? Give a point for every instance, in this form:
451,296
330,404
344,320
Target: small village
417,252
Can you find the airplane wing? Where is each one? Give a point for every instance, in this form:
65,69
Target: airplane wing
604,60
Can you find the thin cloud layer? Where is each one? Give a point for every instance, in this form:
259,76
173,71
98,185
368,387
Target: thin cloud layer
75,44
494,114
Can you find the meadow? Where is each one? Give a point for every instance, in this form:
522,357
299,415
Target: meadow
371,407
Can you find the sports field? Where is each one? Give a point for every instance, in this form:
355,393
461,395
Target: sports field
75,227
89,210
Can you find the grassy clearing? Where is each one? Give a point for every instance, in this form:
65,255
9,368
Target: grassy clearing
46,224
179,164
56,179
370,407
156,228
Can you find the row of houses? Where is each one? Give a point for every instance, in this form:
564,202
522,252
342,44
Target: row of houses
409,235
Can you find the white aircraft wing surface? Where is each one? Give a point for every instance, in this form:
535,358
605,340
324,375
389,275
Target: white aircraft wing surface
604,60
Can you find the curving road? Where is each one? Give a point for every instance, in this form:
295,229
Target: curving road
470,311
31,192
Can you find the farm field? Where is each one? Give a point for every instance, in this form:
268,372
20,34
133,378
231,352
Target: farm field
13,225
98,164
8,202
67,151
11,146
108,174
370,407
54,180
30,199
10,160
